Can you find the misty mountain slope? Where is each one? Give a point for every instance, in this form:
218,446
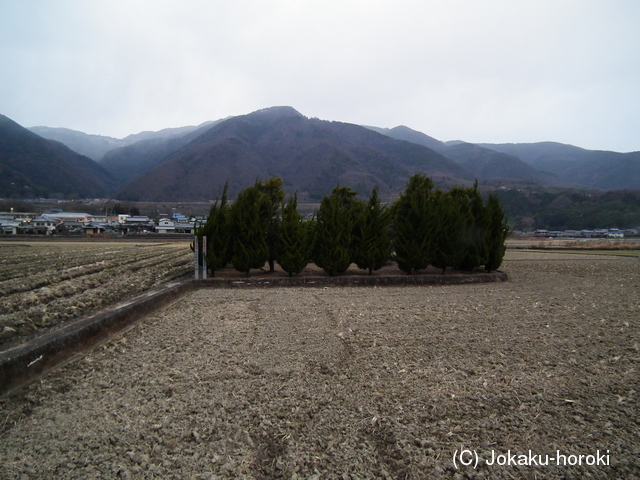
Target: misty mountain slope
541,154
408,135
92,146
554,164
487,164
32,166
589,168
172,132
311,156
127,162
484,163
96,146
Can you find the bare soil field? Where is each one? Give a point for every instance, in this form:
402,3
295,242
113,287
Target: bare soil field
355,382
45,284
626,246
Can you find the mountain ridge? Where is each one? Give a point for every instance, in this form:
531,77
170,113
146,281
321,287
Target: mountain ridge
557,164
311,155
31,166
127,162
96,146
316,157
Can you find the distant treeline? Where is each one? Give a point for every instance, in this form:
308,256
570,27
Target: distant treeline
567,209
425,226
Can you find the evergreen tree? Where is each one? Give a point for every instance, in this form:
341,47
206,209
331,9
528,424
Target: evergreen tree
372,240
273,191
249,224
216,231
452,219
295,239
334,225
477,238
498,231
413,225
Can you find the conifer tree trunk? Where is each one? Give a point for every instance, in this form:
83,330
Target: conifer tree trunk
272,190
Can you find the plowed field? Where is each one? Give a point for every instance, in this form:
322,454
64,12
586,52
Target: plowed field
43,284
536,377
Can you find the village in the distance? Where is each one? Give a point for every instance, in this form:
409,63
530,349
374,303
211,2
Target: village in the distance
57,222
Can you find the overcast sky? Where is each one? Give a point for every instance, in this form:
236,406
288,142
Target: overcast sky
477,70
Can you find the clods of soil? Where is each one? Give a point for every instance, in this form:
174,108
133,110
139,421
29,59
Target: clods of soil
44,284
354,382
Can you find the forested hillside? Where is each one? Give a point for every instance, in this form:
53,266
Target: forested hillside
31,166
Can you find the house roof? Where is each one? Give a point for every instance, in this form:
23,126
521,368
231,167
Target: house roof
137,219
65,216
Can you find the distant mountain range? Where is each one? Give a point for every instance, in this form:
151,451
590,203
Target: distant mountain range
484,163
312,156
586,168
31,166
96,146
129,161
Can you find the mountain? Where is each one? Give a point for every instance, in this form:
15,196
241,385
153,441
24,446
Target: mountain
127,162
312,156
483,163
96,146
165,133
31,166
587,168
408,135
92,146
486,164
553,164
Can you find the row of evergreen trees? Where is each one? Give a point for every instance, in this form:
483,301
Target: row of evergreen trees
425,226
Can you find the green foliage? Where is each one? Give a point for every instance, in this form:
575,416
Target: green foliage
452,218
413,225
562,209
249,222
477,233
295,239
119,209
334,227
348,198
423,227
216,231
274,193
498,231
371,235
